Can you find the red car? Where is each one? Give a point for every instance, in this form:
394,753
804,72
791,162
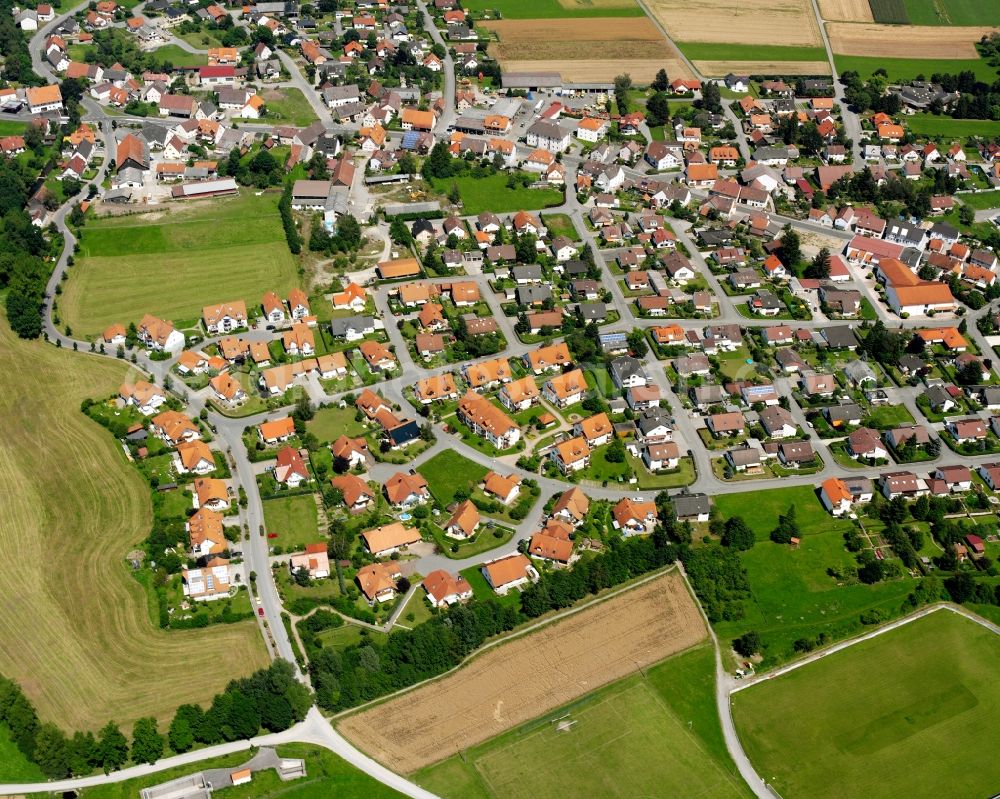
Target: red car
260,611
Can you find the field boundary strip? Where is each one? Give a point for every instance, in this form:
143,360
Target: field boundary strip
503,639
842,645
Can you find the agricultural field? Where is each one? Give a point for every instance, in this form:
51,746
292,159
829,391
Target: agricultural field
793,596
846,10
640,727
206,252
905,69
768,22
554,9
569,47
326,775
293,520
930,125
889,41
935,12
714,58
78,631
532,674
896,715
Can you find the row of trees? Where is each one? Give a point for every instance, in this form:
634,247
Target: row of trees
271,699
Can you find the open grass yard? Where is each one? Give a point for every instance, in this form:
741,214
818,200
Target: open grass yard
14,766
173,263
630,739
448,472
883,417
326,775
981,200
951,12
683,475
793,596
177,56
560,225
76,628
491,194
348,635
294,519
905,69
530,675
12,128
288,106
930,125
555,9
201,40
896,715
330,423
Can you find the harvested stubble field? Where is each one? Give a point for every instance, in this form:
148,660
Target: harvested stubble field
530,675
75,627
790,22
891,41
569,46
846,10
720,68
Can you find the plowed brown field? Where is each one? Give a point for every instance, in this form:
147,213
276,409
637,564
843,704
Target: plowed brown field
530,675
910,41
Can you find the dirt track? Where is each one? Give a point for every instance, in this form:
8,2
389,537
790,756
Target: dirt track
909,41
780,22
525,678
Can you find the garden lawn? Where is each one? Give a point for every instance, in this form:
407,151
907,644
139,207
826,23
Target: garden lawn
289,106
173,264
893,716
90,651
930,125
762,510
448,472
883,417
554,9
655,734
11,128
294,519
331,423
491,194
180,57
200,40
481,589
326,775
560,225
905,69
713,51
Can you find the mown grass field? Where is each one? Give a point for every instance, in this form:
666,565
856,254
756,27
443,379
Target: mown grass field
981,200
331,423
793,595
326,775
76,628
714,51
294,520
175,262
448,472
14,766
952,129
952,12
180,57
555,9
903,69
288,106
903,714
652,735
491,194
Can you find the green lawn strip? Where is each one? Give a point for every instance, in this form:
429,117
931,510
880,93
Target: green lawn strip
294,520
448,472
713,51
326,775
491,194
657,734
902,69
930,125
552,9
956,12
869,715
11,128
180,57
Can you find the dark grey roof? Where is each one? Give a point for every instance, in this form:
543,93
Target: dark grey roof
688,505
530,294
341,325
840,337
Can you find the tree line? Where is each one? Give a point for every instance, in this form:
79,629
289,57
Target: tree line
270,699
